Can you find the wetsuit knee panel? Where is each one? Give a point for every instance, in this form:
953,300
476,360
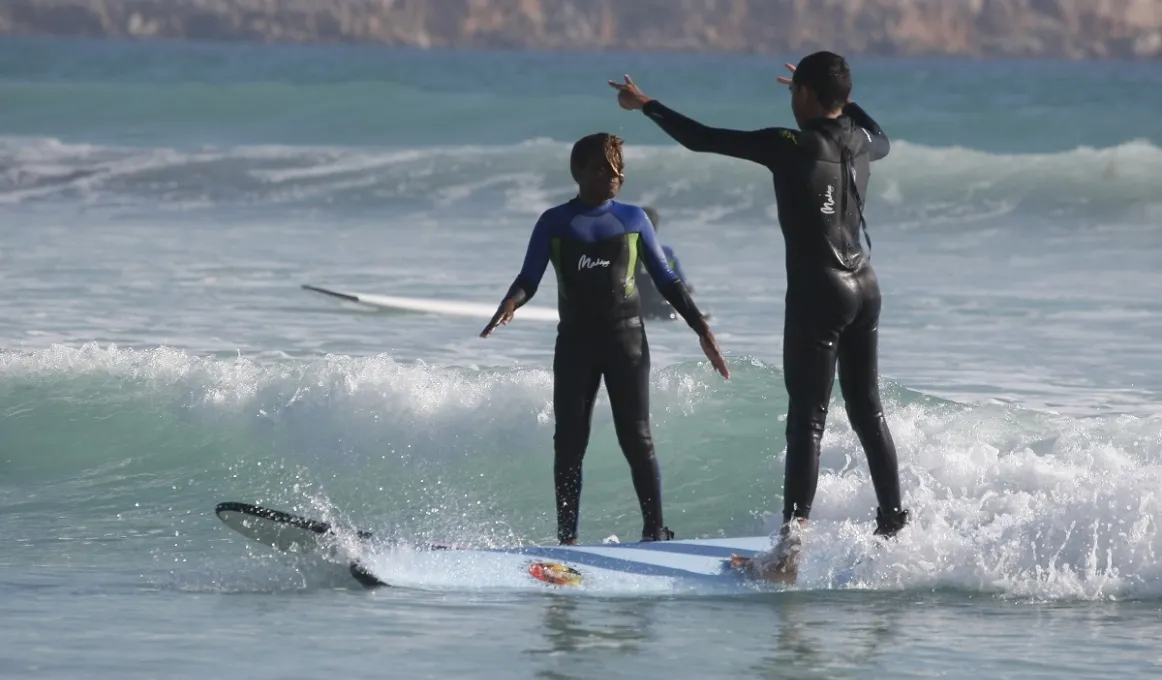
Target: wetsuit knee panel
864,415
867,426
807,419
635,434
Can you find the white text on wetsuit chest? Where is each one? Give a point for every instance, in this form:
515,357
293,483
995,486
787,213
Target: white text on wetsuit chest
828,205
587,262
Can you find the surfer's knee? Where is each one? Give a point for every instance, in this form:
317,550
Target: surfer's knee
865,413
806,423
571,440
635,438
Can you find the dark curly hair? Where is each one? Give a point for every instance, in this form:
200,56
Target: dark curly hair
604,143
828,75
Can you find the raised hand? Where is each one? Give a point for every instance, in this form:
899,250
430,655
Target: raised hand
629,97
784,80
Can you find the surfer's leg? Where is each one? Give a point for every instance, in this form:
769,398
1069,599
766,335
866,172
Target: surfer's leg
859,383
576,377
627,379
809,355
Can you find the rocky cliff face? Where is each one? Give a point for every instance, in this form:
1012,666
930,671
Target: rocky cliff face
1012,28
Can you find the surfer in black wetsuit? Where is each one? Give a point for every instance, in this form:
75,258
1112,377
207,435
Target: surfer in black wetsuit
594,243
654,304
820,174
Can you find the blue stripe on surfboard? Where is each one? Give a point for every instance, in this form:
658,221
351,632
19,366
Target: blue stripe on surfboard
605,562
616,563
684,549
698,550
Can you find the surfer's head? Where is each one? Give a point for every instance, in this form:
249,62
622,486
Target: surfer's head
820,86
597,166
653,215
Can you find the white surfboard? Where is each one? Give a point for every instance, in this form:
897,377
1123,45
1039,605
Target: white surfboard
477,310
702,565
660,566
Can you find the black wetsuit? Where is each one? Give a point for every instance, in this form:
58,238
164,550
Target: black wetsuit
595,251
833,299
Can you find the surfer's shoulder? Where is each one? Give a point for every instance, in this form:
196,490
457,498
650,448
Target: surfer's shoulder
558,215
633,217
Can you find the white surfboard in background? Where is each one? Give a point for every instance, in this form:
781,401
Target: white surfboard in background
449,307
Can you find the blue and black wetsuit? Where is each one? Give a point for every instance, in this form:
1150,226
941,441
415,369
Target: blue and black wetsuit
654,304
595,251
833,300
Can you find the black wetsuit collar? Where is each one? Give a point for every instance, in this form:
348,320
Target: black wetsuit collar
828,124
587,208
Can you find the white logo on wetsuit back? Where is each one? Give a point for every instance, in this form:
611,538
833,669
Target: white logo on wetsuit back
828,205
866,134
587,262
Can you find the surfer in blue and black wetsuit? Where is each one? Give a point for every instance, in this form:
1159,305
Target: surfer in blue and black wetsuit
820,174
654,304
594,244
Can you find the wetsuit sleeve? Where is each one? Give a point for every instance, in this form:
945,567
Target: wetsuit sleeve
766,147
524,287
666,279
676,265
879,141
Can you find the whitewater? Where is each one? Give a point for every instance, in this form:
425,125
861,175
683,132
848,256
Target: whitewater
161,205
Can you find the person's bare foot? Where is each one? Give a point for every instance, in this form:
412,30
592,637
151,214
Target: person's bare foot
779,565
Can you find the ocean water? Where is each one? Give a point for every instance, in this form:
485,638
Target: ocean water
161,205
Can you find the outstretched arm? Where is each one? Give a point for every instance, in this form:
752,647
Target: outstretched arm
765,147
524,287
879,141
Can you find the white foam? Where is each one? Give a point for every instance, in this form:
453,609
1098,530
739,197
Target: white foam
1004,501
